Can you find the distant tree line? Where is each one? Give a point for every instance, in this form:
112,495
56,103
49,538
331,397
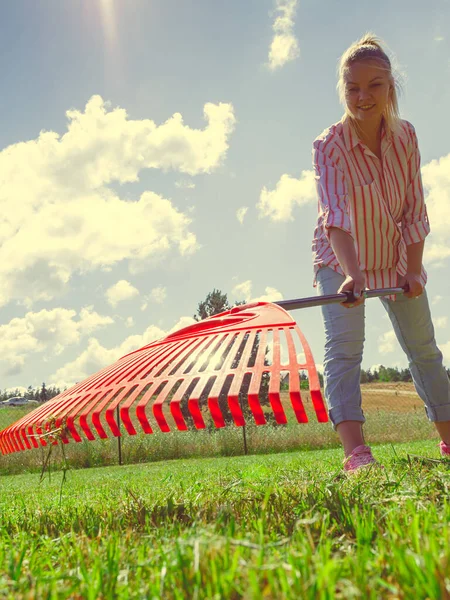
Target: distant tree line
40,394
381,374
387,374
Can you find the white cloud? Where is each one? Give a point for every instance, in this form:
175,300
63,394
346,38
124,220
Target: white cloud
244,291
387,342
440,322
399,364
436,183
185,184
271,295
55,191
437,299
158,294
129,322
445,349
19,389
91,360
278,204
89,320
284,46
240,214
95,357
46,332
436,254
120,291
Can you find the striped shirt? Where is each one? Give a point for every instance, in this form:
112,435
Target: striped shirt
379,203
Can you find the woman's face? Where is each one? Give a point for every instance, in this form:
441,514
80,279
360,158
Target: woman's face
367,90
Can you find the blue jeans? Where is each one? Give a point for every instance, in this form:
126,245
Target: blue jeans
344,342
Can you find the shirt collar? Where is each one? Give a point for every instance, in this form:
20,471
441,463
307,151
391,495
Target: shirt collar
351,138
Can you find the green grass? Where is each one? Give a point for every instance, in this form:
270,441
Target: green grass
381,427
284,525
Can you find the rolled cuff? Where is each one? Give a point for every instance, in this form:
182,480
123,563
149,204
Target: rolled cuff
338,416
339,219
416,232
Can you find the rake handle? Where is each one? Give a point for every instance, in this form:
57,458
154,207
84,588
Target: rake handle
337,298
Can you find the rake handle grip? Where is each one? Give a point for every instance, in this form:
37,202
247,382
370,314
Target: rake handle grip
337,298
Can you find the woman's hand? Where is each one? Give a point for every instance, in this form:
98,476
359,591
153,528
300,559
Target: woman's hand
356,283
410,282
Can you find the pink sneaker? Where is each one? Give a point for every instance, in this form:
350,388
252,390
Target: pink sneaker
445,449
360,457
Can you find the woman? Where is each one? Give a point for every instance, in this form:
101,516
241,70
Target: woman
370,232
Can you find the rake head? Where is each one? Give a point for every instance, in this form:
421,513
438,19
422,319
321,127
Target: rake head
220,361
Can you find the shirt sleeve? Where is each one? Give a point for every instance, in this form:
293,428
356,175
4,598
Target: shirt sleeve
415,225
331,191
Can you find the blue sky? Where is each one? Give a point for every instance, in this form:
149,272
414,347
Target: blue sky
118,217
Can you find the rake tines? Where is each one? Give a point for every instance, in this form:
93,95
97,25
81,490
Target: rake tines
220,360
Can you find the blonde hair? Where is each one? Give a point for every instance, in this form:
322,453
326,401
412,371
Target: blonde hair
370,47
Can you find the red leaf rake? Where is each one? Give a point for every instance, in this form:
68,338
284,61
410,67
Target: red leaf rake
214,358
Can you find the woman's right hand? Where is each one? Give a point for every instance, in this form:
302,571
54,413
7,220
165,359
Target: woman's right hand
356,283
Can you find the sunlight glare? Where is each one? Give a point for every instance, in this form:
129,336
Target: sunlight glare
109,21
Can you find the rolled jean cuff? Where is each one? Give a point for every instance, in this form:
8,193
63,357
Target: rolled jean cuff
342,413
438,413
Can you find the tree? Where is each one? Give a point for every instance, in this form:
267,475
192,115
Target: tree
405,375
364,376
375,375
52,392
43,396
386,374
29,394
215,303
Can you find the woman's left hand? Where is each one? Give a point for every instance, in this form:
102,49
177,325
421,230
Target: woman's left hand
412,281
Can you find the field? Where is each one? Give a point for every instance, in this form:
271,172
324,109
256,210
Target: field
385,396
286,525
394,414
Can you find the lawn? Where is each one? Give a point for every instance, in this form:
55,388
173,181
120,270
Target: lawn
285,525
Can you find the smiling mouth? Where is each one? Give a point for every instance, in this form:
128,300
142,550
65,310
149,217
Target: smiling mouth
366,107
